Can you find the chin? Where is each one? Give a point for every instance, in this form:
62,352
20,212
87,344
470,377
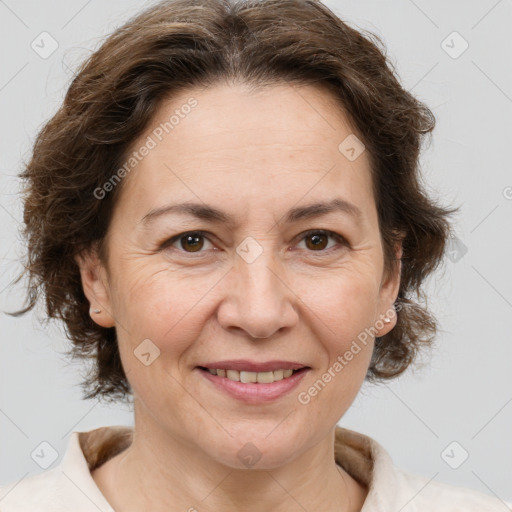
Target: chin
254,449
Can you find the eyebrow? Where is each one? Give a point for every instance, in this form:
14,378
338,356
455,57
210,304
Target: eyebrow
209,213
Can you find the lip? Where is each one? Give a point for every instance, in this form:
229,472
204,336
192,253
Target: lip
252,392
253,366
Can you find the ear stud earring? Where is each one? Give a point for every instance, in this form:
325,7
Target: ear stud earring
387,320
97,311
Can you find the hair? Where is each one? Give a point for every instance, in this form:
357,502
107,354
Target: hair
179,44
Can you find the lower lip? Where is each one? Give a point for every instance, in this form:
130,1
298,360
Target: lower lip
252,392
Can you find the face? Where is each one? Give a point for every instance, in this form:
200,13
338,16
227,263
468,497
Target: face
272,280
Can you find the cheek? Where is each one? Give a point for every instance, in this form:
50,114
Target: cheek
160,305
346,314
161,315
346,302
344,308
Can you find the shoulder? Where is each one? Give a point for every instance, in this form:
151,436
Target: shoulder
50,491
421,494
69,485
392,488
43,492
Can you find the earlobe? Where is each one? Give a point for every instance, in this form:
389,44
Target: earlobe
95,285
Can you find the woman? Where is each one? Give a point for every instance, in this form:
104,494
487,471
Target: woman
227,216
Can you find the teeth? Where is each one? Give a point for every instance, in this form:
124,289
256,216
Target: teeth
260,377
232,374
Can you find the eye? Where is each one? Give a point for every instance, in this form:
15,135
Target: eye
190,242
317,239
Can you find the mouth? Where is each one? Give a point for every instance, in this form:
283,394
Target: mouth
253,387
250,377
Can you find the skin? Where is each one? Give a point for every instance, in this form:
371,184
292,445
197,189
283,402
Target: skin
254,155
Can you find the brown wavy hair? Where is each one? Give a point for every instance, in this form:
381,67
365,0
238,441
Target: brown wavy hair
179,44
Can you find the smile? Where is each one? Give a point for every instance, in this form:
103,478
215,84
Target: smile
253,387
247,376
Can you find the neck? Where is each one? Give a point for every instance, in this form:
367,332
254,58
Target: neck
161,472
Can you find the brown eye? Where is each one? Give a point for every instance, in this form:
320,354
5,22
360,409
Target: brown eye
189,243
318,241
194,242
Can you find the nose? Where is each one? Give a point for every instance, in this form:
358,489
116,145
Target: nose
259,298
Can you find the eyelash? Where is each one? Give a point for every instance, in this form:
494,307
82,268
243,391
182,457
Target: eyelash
167,243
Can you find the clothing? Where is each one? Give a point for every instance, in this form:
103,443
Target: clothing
69,486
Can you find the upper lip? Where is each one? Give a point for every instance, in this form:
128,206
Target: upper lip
253,366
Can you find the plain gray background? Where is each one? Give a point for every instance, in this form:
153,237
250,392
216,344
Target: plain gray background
464,393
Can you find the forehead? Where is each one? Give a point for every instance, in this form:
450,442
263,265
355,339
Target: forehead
229,142
284,115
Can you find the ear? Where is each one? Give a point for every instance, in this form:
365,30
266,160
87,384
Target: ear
95,285
389,288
